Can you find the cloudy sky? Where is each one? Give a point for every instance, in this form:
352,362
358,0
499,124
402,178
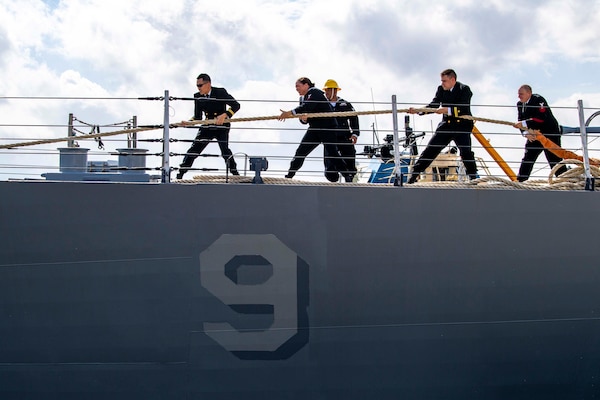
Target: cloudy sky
93,58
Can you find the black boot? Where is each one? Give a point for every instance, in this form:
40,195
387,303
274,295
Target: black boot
232,165
332,176
561,170
413,178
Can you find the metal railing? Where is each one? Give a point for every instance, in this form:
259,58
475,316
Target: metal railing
165,142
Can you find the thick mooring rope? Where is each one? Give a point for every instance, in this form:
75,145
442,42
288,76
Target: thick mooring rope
190,123
234,120
64,139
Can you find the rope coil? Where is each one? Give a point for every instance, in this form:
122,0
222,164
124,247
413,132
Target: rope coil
573,179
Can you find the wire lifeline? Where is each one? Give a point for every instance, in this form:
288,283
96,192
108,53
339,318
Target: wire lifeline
190,123
248,119
64,139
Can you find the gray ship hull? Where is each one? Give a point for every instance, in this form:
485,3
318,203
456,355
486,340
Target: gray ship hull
147,291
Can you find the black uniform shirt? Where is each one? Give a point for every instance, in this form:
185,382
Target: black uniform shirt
349,124
458,100
314,101
537,115
215,104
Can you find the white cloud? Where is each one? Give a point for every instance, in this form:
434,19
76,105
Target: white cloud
73,84
567,29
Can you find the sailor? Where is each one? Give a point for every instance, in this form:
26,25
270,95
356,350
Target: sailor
535,113
211,101
320,130
453,100
348,129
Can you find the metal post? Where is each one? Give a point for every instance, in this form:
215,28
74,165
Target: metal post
589,180
398,180
134,134
129,144
70,143
132,137
166,168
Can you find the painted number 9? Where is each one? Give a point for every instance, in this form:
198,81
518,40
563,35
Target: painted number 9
257,276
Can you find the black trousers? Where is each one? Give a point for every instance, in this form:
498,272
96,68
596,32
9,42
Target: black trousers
203,138
348,155
332,159
444,134
532,152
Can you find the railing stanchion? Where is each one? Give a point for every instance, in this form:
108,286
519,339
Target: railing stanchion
397,170
166,168
589,180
